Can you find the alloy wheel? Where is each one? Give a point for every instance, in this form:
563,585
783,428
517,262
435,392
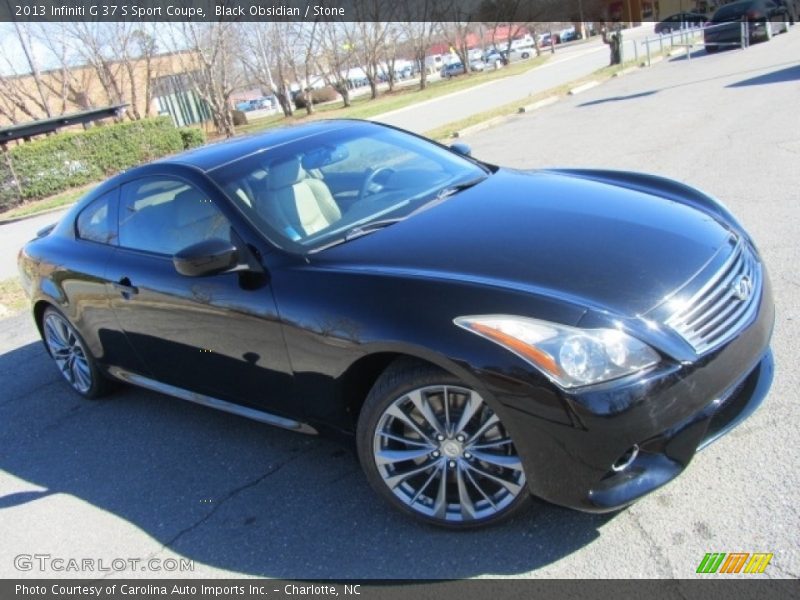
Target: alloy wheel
444,453
68,352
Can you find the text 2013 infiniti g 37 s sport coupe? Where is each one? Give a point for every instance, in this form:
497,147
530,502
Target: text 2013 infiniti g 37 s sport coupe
483,334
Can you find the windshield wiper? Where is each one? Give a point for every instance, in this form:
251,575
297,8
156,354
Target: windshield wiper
446,192
458,187
357,232
366,228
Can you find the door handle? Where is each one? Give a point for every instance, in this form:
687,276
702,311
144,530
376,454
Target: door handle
124,287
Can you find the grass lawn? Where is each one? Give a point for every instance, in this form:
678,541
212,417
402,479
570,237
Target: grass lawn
12,298
39,206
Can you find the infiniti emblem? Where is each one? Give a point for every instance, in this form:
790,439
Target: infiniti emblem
742,287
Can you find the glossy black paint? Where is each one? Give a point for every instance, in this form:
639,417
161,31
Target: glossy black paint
305,336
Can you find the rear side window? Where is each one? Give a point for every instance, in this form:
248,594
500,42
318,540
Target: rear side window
95,223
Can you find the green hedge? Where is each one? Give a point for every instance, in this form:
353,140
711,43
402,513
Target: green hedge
50,165
192,137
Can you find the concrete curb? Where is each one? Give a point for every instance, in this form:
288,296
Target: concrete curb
480,126
626,71
583,87
539,104
653,60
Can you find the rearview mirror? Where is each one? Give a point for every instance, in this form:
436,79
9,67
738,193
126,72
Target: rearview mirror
461,148
206,258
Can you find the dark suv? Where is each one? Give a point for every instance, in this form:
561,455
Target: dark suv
762,19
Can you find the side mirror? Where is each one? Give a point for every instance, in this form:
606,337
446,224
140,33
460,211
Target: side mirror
206,258
461,148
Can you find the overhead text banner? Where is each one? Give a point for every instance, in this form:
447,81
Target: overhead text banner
485,11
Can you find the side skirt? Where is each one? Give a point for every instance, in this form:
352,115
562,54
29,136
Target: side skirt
203,400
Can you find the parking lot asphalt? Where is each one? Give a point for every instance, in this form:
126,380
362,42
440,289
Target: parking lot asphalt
141,475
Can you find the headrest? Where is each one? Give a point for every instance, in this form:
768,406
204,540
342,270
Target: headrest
191,206
284,174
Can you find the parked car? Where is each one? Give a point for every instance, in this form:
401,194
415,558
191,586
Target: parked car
495,58
481,334
549,39
763,19
683,20
457,68
567,35
516,54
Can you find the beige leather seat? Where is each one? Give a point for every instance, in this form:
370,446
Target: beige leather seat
295,204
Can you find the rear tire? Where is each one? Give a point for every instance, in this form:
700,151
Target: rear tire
72,355
435,450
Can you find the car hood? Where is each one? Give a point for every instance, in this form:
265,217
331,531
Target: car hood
601,241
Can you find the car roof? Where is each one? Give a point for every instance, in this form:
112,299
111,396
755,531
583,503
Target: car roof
217,154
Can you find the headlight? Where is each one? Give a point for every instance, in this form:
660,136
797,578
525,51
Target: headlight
569,356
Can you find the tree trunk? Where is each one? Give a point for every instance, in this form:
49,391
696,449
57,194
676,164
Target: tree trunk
309,102
344,92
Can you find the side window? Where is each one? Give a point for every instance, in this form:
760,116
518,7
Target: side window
94,222
164,215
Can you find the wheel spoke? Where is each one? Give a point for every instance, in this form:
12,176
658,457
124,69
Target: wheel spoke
509,485
384,457
491,444
440,504
470,408
423,487
424,408
465,502
480,489
82,373
407,441
501,460
446,403
487,425
396,412
395,480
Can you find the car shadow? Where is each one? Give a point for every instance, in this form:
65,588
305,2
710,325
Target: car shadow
239,495
618,98
781,76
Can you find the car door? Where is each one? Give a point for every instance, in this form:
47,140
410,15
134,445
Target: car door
86,285
216,335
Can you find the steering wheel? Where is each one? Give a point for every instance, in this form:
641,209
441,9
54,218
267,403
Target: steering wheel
371,177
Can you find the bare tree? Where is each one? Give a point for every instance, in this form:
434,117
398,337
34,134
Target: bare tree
455,33
209,59
335,57
24,36
265,56
304,61
419,33
92,42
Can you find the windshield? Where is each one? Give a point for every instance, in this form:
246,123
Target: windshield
732,11
317,190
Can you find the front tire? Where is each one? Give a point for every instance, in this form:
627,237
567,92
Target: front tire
435,450
72,356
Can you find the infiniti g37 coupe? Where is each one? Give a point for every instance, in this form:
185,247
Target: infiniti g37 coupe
482,334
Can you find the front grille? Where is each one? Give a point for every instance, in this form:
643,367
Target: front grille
721,308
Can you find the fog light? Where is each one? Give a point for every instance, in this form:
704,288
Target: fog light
626,459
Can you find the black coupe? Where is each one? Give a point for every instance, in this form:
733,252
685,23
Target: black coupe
482,334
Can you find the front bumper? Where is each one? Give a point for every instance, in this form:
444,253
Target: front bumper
668,415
